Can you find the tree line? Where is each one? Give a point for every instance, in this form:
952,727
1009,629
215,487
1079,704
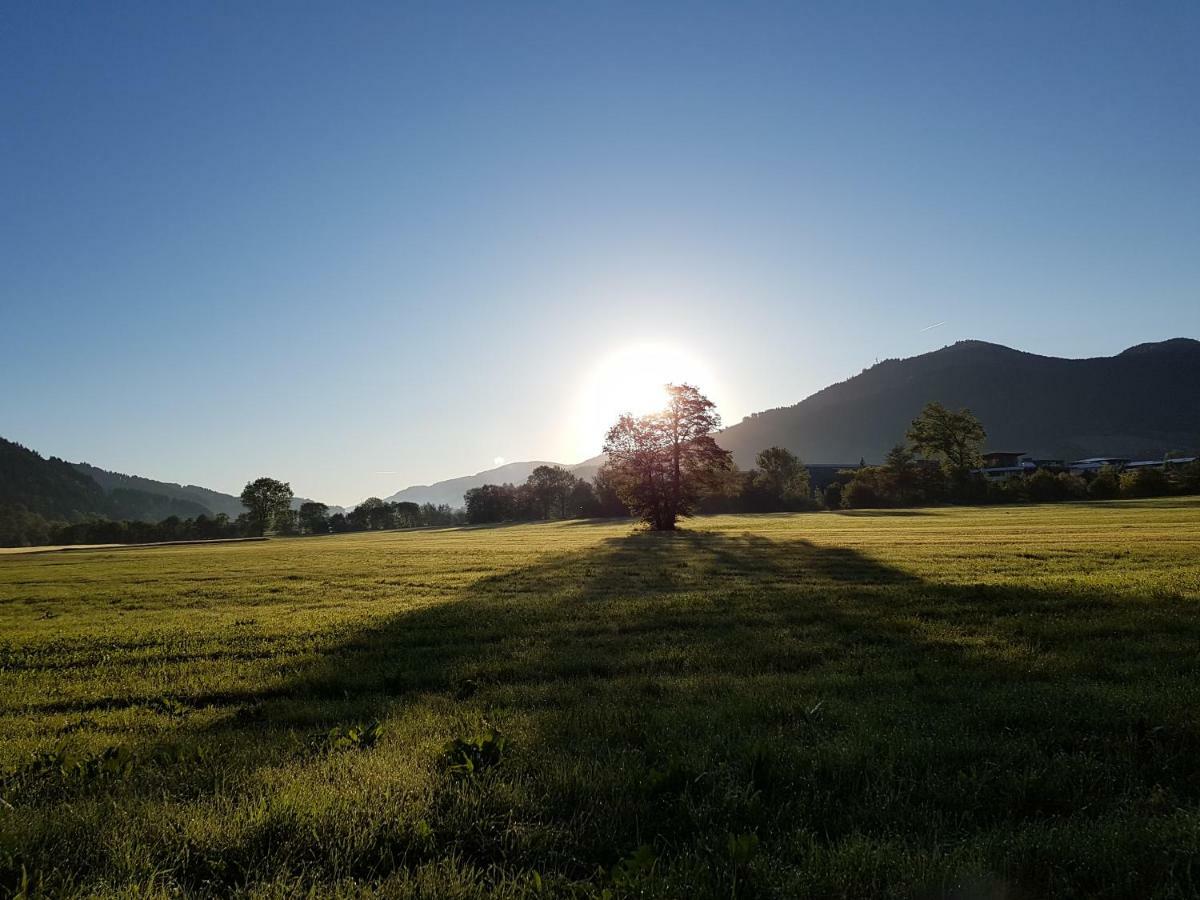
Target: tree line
660,467
941,462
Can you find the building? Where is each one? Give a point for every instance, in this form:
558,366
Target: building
1094,464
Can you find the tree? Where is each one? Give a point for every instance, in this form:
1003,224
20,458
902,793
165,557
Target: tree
608,500
372,515
489,503
551,488
286,522
952,437
265,498
1105,484
583,501
662,461
784,478
405,514
900,468
1145,482
314,517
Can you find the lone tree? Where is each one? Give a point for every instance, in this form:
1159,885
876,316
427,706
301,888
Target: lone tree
266,498
952,437
660,462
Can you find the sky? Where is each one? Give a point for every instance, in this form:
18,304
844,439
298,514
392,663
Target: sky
360,246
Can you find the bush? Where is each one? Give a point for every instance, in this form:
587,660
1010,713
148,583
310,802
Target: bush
1104,486
1044,486
1145,483
861,494
1072,487
1187,478
833,495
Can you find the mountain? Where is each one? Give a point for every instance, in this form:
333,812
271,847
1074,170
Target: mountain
212,502
1141,402
62,491
58,490
452,490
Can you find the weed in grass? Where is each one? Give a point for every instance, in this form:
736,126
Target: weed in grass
350,737
468,756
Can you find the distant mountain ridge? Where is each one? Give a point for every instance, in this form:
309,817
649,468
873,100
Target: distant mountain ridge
1142,402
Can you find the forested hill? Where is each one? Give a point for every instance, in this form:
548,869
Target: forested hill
1141,402
58,490
214,502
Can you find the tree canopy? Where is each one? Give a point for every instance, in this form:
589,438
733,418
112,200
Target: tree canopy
662,462
953,437
266,499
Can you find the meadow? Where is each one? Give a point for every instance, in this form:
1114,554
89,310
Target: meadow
971,703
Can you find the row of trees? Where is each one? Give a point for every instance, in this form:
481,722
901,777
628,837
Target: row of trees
269,505
550,492
940,464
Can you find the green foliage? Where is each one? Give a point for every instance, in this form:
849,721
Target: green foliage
470,756
1145,482
352,737
635,867
953,437
266,499
664,462
1106,485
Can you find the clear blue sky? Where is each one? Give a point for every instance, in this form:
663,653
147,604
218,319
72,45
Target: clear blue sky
359,247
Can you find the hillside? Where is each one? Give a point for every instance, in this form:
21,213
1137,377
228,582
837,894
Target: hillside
214,502
58,490
1141,402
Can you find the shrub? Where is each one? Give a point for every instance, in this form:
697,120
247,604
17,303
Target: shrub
861,494
833,495
1044,486
1145,483
1105,485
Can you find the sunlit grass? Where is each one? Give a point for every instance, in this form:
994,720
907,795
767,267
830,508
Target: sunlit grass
909,704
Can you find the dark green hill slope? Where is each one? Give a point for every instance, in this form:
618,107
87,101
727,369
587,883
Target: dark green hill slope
58,490
1141,402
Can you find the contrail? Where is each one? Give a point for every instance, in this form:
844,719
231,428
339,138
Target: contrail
931,327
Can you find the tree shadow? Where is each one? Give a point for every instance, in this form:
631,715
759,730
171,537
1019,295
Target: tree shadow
674,688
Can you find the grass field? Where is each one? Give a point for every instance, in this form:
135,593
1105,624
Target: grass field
962,703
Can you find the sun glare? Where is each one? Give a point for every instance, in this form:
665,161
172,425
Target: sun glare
632,380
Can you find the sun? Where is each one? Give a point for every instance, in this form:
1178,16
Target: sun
632,380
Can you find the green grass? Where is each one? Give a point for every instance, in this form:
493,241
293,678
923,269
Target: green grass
961,703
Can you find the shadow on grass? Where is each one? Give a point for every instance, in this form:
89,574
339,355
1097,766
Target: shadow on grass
873,729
